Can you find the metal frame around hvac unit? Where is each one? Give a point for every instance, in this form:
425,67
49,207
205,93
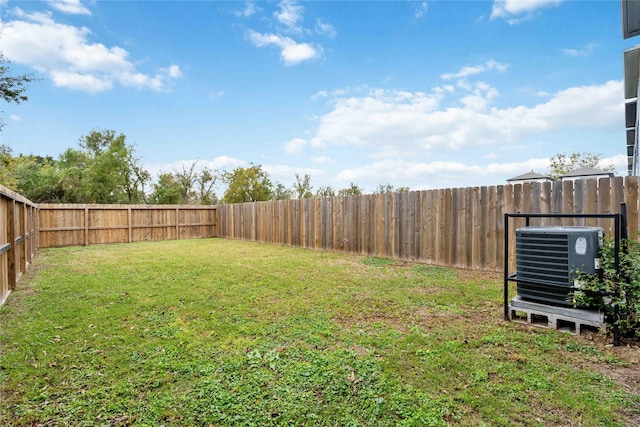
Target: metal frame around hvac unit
620,233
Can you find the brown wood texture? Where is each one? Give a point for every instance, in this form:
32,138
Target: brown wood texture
18,239
73,225
461,227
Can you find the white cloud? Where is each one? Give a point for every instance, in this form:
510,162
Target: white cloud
65,53
289,17
249,10
290,14
597,106
436,174
295,146
173,71
421,9
407,138
291,52
421,175
322,160
473,70
219,163
15,118
515,11
416,121
224,163
74,7
480,97
585,51
326,94
571,52
325,29
83,82
375,119
619,162
319,95
285,173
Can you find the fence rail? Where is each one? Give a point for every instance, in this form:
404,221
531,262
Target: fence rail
459,227
18,238
78,224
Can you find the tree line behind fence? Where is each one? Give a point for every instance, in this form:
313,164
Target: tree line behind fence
457,227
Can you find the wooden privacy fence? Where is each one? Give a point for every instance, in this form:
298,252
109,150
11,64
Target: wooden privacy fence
459,227
76,224
18,238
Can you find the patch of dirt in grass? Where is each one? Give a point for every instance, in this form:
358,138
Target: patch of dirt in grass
21,291
438,315
360,350
353,321
552,417
429,291
627,375
626,372
478,276
25,286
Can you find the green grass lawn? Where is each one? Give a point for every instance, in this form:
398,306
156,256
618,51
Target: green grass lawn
219,332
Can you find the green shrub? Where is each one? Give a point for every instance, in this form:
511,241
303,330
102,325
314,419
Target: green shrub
617,293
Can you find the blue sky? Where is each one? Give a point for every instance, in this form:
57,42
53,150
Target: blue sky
420,94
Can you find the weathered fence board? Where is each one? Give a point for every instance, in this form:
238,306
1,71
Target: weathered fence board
462,227
74,225
18,238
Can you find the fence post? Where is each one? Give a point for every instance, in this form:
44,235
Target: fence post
23,238
177,223
129,225
11,231
86,225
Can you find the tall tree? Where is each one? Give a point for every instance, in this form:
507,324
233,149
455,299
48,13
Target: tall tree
103,169
113,174
186,186
388,188
7,167
302,188
325,191
38,179
136,182
167,191
206,182
280,192
250,184
72,165
187,180
563,163
351,190
383,189
12,88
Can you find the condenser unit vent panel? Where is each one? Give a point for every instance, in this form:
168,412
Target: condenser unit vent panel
547,259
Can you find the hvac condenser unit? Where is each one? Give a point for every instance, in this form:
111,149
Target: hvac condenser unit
547,259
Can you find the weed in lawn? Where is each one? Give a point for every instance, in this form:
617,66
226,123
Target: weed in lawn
434,272
378,262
